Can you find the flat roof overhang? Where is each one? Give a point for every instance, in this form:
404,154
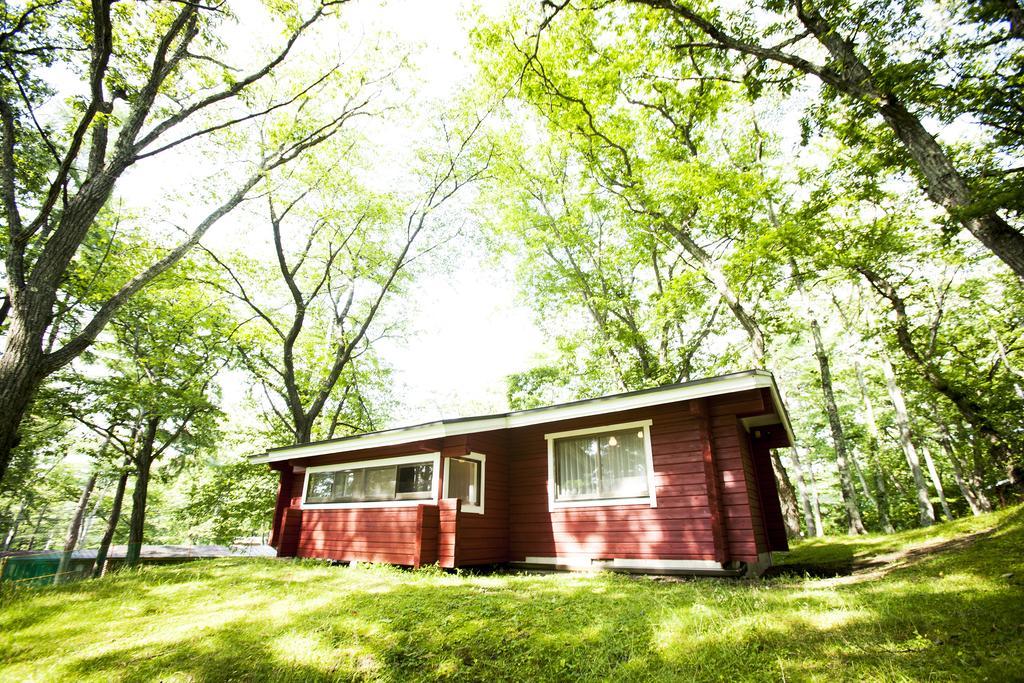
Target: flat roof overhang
686,391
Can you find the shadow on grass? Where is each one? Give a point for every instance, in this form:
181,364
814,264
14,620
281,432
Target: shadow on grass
950,615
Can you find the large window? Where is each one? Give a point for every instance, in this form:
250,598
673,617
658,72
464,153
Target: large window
601,466
464,479
409,478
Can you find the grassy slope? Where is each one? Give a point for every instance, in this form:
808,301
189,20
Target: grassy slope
951,615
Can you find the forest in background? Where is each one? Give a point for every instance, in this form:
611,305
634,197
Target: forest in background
677,189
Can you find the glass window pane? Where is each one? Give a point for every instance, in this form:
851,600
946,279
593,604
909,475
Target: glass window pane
413,481
380,483
320,488
576,463
418,478
464,480
348,485
623,464
609,465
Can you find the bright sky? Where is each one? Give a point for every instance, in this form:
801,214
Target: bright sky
467,332
465,329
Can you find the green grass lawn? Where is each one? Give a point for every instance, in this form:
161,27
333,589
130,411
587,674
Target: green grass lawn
952,614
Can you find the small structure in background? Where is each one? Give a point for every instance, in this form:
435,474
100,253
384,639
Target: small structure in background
39,567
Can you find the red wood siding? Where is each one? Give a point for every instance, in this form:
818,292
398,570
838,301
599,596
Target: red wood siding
771,508
483,538
364,534
429,528
706,509
447,537
679,528
744,529
291,529
398,535
712,480
284,493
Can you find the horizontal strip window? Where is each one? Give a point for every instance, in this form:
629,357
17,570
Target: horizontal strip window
407,481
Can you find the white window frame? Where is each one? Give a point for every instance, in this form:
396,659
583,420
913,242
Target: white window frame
433,458
481,459
650,498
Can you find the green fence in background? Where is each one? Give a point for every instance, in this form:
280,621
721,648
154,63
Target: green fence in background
41,569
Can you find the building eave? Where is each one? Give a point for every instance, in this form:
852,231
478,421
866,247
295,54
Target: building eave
702,388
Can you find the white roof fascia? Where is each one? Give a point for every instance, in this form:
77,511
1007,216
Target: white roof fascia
597,406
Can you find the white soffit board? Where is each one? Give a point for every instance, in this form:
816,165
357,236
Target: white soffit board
756,379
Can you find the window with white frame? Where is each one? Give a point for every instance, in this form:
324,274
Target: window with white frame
464,479
407,478
605,465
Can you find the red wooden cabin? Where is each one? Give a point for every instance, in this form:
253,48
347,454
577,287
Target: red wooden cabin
673,479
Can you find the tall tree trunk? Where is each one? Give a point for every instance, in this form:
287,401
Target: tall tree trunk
975,499
874,442
20,375
721,284
759,351
948,188
137,523
115,515
805,496
35,529
854,523
936,481
75,527
303,427
87,523
964,400
806,473
12,533
883,500
926,512
861,480
787,497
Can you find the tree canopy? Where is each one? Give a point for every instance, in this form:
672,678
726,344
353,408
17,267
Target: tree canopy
213,246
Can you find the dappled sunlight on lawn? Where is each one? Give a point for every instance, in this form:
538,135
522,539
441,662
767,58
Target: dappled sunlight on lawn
932,617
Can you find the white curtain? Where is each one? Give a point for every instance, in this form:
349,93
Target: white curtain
623,464
462,480
610,465
577,468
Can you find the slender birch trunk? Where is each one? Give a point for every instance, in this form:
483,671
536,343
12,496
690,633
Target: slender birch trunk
858,470
926,512
874,442
855,524
805,498
12,533
787,497
99,568
87,523
883,500
975,499
75,527
936,481
807,474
